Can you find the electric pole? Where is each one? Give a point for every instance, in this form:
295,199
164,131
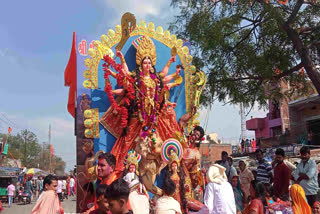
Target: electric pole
49,139
25,147
243,122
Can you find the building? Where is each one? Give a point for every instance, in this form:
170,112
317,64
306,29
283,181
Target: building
289,121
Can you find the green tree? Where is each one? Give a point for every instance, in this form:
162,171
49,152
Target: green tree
37,156
247,47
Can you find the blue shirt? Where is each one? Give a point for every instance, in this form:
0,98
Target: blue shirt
310,186
263,172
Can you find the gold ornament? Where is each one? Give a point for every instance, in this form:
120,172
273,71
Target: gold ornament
174,159
146,49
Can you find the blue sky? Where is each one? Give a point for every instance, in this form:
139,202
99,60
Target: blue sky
35,42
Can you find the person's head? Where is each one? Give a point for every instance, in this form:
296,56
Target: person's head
224,156
297,194
106,164
169,187
50,182
88,187
174,166
197,134
305,153
146,64
101,200
280,155
259,155
268,189
257,190
230,161
132,168
117,195
242,165
316,207
235,181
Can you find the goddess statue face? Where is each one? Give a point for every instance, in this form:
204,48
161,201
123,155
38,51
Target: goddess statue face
174,167
132,168
146,65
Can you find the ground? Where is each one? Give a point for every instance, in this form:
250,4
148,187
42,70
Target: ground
69,206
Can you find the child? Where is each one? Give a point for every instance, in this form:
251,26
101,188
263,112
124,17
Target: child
102,203
167,204
117,195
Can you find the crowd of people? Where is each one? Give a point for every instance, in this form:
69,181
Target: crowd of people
36,186
274,188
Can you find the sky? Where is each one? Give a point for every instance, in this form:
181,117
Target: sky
35,43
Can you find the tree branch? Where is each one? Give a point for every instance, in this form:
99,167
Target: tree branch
294,13
290,71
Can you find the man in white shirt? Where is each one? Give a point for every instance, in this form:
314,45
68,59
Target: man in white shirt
224,161
59,189
306,175
167,204
218,197
72,182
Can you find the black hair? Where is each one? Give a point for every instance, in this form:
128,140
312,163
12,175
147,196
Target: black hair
89,187
280,151
305,150
223,153
169,187
101,190
110,158
200,129
259,191
168,175
268,188
117,190
259,151
230,158
48,179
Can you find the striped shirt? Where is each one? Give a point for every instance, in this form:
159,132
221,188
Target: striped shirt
263,172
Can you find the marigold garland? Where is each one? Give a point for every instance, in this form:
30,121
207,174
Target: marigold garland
120,81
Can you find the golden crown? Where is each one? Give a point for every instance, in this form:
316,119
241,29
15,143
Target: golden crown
174,158
146,48
132,158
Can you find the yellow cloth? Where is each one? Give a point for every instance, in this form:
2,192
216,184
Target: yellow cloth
300,204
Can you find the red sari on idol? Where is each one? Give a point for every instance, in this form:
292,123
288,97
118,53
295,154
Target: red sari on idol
166,127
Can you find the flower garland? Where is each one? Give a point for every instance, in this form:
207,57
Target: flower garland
149,130
120,81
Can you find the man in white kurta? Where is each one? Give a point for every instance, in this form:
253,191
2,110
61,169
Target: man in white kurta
218,197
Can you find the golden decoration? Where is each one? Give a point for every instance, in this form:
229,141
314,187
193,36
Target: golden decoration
173,158
112,38
146,49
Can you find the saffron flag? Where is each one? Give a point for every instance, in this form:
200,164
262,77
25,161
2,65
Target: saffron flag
70,77
9,130
51,150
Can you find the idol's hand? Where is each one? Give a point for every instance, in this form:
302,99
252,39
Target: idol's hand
119,54
178,70
172,59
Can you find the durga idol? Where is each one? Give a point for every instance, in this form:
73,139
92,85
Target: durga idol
146,107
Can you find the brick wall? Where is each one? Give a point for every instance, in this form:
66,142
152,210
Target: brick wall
215,151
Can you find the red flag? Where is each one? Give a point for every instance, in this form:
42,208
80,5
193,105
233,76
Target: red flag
51,150
9,130
70,77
